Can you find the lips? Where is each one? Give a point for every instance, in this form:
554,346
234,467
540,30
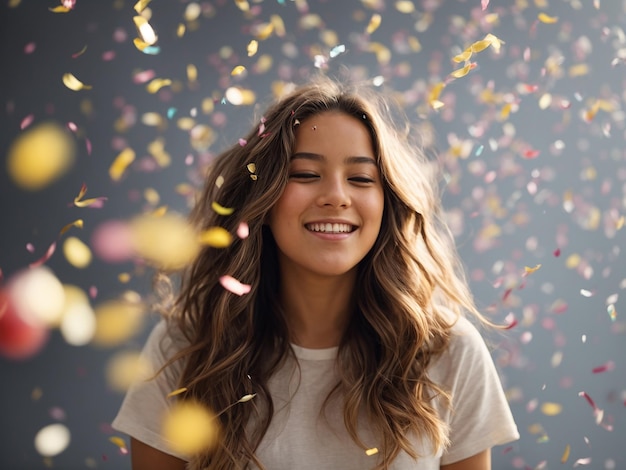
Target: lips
327,227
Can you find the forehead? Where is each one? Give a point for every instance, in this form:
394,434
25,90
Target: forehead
334,130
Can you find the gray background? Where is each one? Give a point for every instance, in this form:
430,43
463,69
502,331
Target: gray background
490,188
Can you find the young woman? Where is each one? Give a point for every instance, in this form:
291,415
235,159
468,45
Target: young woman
353,336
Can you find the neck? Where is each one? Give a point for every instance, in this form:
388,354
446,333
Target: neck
317,309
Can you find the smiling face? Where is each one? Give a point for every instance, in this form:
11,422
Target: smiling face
330,213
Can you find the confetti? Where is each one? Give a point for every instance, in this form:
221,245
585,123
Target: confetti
73,83
51,440
547,19
76,252
551,409
233,285
221,210
243,230
190,428
94,202
119,442
178,391
372,451
374,23
40,155
217,237
121,163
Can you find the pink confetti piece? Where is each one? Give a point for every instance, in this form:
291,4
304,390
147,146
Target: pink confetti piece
45,257
484,4
88,146
30,247
30,48
557,252
233,285
108,56
243,230
609,366
27,121
262,126
72,126
144,76
531,154
93,292
243,142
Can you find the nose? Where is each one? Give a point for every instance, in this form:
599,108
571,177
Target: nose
334,193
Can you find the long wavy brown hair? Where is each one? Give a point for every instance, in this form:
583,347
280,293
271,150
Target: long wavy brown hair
409,278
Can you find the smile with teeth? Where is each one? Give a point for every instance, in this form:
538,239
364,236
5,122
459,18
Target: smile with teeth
330,228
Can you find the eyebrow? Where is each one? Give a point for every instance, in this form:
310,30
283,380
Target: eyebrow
353,159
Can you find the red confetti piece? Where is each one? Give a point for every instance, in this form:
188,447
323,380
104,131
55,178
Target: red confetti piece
604,368
589,399
45,257
530,154
557,252
511,320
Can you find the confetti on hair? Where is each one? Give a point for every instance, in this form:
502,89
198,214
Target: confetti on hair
372,451
221,210
233,285
246,398
217,237
121,162
73,83
243,230
176,392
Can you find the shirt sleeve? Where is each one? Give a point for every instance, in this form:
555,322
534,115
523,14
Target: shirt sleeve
479,417
145,403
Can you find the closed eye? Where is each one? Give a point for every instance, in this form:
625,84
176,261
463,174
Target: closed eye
361,179
303,175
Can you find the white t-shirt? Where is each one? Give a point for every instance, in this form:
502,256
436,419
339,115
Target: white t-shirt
299,437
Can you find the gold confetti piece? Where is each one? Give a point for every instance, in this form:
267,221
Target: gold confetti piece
462,71
180,31
190,428
168,242
221,210
141,5
481,45
263,31
279,25
243,5
156,84
551,409
192,73
40,155
178,391
125,368
371,451
528,270
74,83
76,252
140,44
145,31
59,9
374,23
545,101
435,92
251,167
578,70
238,70
156,148
405,6
117,321
494,42
152,196
118,441
383,54
78,323
547,19
159,211
506,110
253,47
121,162
80,202
217,237
124,278
463,56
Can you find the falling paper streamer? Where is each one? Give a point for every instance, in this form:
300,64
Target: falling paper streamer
233,285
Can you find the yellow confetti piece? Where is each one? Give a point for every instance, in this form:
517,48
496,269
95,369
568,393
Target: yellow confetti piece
545,101
156,84
74,83
118,441
141,5
59,9
80,202
117,321
221,210
529,270
180,31
374,23
178,391
126,368
252,48
168,242
462,71
463,56
156,148
159,211
551,409
565,455
279,25
140,44
263,31
435,92
547,19
405,6
371,451
578,70
506,110
121,162
124,278
251,167
40,155
238,70
217,237
76,252
190,428
77,223
481,45
495,42
243,5
246,398
192,73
